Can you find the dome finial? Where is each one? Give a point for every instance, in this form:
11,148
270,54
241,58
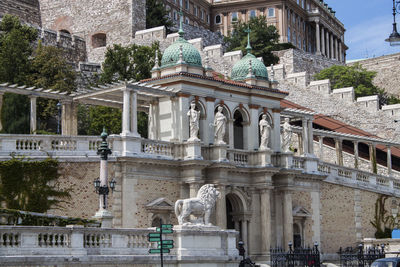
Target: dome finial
157,62
181,32
248,48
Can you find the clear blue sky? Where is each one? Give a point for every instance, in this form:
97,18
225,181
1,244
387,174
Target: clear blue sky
368,23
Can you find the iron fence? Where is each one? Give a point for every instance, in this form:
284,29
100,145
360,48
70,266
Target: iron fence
309,257
360,256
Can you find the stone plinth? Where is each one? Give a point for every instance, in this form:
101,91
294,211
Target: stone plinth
193,150
218,153
264,156
206,246
105,217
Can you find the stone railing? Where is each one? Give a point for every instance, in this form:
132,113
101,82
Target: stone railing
55,145
359,178
239,157
298,162
30,245
157,148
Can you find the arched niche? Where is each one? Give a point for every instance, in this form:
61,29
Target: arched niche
228,115
271,123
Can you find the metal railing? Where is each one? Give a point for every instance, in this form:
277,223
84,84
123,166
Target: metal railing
295,257
360,257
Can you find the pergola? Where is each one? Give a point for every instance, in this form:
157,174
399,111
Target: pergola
130,96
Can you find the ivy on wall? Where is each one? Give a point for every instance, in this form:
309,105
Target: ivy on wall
30,185
382,219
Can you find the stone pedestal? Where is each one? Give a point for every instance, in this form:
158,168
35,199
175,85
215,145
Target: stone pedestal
218,153
264,156
284,159
206,246
131,145
311,163
193,150
105,217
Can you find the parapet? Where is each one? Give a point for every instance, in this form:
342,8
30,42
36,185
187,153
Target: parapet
347,94
323,86
369,102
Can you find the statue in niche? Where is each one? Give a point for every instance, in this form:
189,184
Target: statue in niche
194,117
219,124
200,207
265,129
286,137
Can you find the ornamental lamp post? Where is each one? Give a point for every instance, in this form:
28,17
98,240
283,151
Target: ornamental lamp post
101,184
394,37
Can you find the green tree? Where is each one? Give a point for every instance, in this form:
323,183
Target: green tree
50,70
357,77
157,15
15,52
30,185
121,63
264,39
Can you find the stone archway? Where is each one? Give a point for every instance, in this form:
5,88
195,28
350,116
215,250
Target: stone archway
237,217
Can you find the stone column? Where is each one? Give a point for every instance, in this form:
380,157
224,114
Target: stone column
327,44
244,232
183,129
133,102
321,148
1,106
340,52
276,131
318,37
305,136
287,218
355,143
253,131
209,131
300,141
126,112
154,120
220,209
194,188
225,24
231,133
336,49
265,214
310,137
389,160
323,49
69,118
33,121
339,151
331,52
372,157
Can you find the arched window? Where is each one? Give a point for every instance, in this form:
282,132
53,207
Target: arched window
99,40
65,31
218,19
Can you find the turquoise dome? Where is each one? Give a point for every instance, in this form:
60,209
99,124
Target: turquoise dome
241,69
191,55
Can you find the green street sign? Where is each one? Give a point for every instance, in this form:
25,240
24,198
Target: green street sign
157,250
154,235
166,226
154,239
165,231
165,246
166,242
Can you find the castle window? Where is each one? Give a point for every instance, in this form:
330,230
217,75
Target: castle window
208,18
65,31
234,17
201,14
288,34
175,15
195,10
187,4
252,14
99,40
218,19
187,21
271,12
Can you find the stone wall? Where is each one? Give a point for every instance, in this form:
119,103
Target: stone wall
295,60
27,10
116,21
388,72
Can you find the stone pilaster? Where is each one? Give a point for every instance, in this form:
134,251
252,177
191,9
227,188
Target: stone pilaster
318,37
265,214
287,218
126,112
389,161
220,210
339,151
33,121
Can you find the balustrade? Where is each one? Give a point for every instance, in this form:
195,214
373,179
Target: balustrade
239,157
298,163
157,147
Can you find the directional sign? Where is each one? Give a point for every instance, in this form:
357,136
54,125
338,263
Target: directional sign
165,246
165,231
166,242
157,250
154,237
166,226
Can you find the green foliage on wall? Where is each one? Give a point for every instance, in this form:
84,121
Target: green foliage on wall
157,15
30,185
264,39
381,219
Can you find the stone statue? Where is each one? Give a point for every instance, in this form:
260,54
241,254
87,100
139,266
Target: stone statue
286,137
200,206
194,117
219,124
265,129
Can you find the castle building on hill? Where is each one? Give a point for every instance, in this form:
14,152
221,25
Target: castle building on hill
310,25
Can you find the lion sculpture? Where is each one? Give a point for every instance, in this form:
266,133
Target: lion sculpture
200,207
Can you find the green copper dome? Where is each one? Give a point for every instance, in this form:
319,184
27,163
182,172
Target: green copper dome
190,55
241,69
